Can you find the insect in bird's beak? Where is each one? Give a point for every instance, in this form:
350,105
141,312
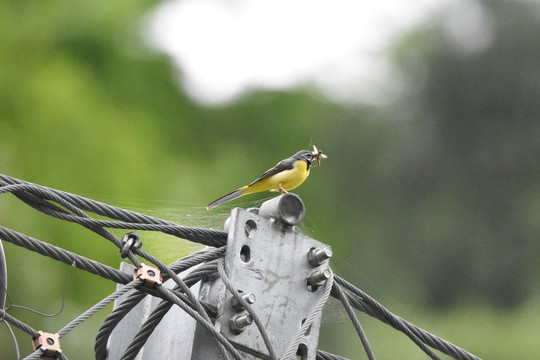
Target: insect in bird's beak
318,155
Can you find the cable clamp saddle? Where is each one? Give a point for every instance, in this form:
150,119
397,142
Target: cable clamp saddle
49,343
150,275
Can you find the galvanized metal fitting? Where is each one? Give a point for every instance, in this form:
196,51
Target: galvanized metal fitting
239,322
130,240
48,343
150,275
317,256
318,277
249,298
287,209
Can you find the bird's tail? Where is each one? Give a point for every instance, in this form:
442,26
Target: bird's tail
227,197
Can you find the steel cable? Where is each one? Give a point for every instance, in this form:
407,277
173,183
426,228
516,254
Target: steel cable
161,309
359,330
293,346
63,255
362,301
73,208
234,292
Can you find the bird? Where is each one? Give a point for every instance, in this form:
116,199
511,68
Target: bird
284,176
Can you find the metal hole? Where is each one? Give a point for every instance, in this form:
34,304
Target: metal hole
302,352
250,228
311,287
245,253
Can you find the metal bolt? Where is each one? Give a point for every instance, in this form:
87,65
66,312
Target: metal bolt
238,322
318,277
318,255
249,298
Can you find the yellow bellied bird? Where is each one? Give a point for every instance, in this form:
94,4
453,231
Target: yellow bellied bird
285,176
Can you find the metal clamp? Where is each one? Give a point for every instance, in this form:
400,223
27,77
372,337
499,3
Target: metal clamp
130,240
49,343
150,275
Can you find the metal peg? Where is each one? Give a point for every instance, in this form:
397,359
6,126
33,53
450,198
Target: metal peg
318,255
249,298
238,322
318,277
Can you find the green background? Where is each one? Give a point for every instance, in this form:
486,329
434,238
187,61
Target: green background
431,203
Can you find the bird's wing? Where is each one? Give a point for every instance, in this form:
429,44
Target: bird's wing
283,165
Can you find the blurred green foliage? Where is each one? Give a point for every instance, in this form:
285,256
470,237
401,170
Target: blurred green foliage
431,204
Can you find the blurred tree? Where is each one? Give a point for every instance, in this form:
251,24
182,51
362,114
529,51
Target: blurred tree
471,185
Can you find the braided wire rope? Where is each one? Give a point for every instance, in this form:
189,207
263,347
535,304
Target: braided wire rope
100,305
38,354
159,312
367,304
323,355
169,295
73,208
17,352
359,330
173,298
399,324
104,332
192,299
207,237
293,346
65,256
19,324
262,329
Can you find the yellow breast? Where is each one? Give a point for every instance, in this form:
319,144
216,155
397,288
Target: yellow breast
288,179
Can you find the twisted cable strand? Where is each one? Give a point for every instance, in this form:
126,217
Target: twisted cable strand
161,309
399,324
323,355
228,284
185,289
100,305
169,296
359,330
205,236
100,346
364,301
72,208
19,324
63,255
293,346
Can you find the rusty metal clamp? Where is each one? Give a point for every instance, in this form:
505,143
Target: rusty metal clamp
49,343
150,275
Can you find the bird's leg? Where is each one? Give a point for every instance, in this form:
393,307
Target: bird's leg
282,190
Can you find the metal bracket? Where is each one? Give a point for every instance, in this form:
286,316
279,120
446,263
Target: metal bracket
277,271
268,259
149,274
49,343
